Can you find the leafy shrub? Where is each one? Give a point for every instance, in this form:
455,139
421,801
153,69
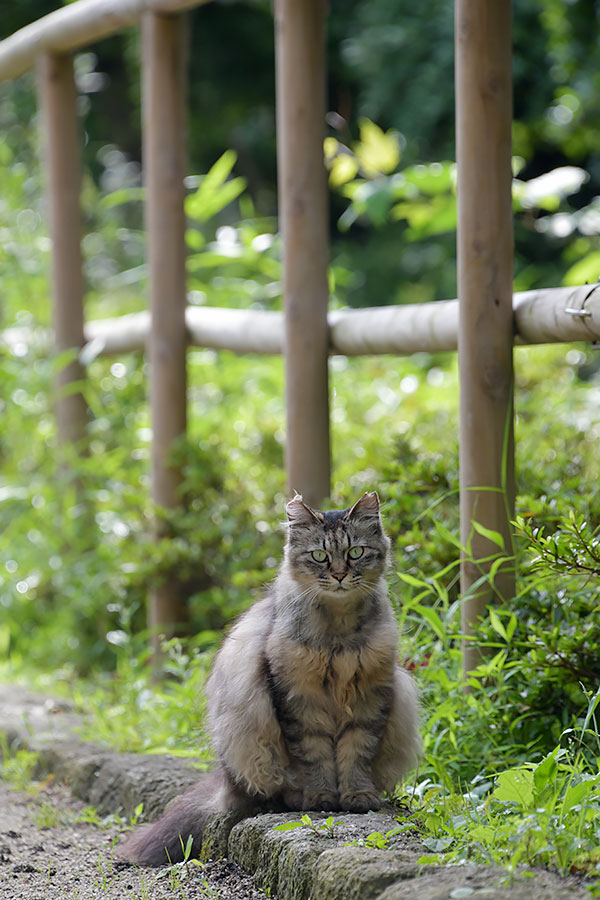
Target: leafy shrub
543,813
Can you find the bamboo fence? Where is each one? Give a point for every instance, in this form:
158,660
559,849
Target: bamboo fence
483,325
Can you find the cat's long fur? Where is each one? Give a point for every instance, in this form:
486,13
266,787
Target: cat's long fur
308,708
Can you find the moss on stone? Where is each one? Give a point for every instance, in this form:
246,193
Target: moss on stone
359,873
216,835
296,868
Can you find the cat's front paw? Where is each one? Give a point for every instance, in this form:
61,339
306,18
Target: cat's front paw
360,801
293,798
320,800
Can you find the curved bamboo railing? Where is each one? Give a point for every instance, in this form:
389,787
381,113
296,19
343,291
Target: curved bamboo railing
75,26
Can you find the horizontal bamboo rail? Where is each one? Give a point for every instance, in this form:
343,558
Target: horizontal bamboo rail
545,316
549,315
75,26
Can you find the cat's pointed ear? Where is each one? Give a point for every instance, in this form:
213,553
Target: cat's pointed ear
298,513
367,506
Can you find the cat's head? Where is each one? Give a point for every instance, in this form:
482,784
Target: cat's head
337,552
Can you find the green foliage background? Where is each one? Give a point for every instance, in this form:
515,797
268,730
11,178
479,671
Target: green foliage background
76,558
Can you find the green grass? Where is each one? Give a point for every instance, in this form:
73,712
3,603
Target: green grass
16,766
545,813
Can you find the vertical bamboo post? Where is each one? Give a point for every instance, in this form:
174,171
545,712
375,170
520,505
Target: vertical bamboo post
303,216
164,143
61,140
485,268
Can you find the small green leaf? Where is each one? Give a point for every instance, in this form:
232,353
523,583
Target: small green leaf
123,195
515,786
378,151
433,620
447,535
438,844
494,536
497,625
430,859
501,561
289,826
221,168
485,834
410,579
211,199
511,626
545,773
576,793
343,170
376,839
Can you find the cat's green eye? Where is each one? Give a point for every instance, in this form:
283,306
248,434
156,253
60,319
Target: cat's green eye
356,552
319,555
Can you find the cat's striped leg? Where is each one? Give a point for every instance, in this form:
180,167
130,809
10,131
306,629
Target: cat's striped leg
314,768
356,747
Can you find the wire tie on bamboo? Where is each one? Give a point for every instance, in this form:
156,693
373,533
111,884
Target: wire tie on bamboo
580,313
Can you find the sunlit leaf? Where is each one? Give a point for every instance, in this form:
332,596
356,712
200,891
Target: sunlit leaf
515,786
343,169
377,150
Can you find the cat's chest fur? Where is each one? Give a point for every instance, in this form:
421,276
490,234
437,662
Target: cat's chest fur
336,683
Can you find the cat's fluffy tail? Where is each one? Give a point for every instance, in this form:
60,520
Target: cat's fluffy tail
165,840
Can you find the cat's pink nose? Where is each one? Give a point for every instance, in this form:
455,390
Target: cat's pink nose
339,576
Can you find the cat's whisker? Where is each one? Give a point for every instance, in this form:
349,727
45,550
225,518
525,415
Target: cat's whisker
293,603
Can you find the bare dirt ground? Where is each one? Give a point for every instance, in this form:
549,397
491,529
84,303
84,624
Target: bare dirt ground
47,852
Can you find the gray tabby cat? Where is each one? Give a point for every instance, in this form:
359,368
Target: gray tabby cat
308,708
